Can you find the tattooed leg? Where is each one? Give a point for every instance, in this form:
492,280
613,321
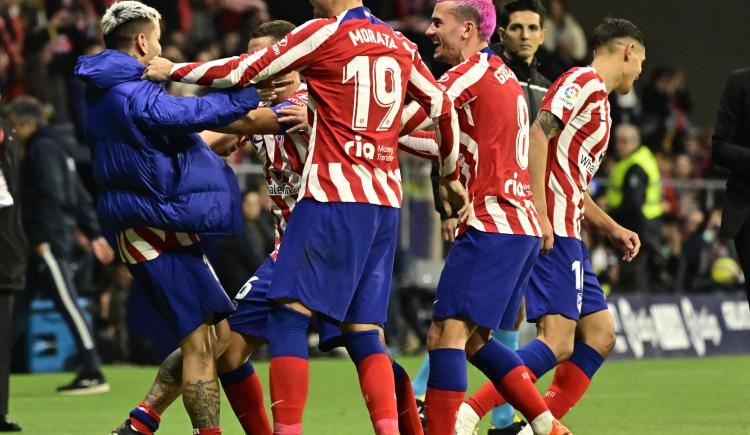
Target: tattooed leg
200,386
168,383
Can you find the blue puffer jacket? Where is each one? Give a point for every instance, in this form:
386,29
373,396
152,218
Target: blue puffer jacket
153,170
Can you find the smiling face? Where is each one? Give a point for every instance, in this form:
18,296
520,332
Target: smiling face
446,32
523,35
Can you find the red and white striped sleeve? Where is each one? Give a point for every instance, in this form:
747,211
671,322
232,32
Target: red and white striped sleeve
426,91
570,93
421,144
414,118
294,52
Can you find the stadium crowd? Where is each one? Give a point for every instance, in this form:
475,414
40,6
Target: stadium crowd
40,42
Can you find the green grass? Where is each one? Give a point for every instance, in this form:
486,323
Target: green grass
685,397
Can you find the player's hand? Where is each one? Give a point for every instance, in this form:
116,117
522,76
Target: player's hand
42,248
548,236
268,90
296,116
158,69
457,195
626,241
102,250
448,229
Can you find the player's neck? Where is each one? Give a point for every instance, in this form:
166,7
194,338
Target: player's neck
470,49
340,6
609,71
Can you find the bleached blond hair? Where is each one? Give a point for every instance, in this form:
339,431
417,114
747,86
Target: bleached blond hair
123,12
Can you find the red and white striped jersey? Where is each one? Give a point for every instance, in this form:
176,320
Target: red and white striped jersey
137,245
283,159
358,71
494,154
579,99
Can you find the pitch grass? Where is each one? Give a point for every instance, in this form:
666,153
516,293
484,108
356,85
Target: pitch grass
685,397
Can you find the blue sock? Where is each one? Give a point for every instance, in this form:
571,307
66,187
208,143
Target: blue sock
586,358
362,344
495,361
508,338
448,370
287,332
538,357
237,375
419,384
503,415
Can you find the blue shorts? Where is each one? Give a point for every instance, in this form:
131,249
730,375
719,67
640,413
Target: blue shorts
483,278
183,288
563,282
337,259
253,307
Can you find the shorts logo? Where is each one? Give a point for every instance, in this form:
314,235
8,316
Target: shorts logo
569,95
579,302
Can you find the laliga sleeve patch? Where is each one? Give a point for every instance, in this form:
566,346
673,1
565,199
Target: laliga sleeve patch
569,95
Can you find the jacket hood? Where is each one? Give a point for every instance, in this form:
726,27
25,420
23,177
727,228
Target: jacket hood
108,68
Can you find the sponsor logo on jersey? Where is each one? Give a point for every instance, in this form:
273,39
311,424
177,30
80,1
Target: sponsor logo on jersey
589,164
360,149
514,187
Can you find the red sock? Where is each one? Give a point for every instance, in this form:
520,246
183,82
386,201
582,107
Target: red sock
408,414
441,410
488,398
207,431
246,398
289,380
144,419
376,381
568,386
485,399
519,390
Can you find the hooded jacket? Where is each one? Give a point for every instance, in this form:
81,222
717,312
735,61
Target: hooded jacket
151,166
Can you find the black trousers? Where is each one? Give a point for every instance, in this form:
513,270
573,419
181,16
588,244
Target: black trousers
50,274
742,243
6,335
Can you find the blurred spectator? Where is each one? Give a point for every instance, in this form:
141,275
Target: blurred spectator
54,203
12,258
731,149
564,44
113,334
666,110
634,198
237,257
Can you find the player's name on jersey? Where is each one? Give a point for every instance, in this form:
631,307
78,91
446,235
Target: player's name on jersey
360,36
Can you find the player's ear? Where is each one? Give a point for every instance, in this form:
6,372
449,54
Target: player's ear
468,25
141,43
501,33
629,47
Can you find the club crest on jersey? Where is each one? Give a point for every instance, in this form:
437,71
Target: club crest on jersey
570,95
366,149
359,36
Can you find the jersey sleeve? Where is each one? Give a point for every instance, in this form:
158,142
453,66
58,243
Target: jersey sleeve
297,50
439,107
414,118
567,96
421,144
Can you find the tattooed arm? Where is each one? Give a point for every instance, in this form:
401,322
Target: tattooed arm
544,128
